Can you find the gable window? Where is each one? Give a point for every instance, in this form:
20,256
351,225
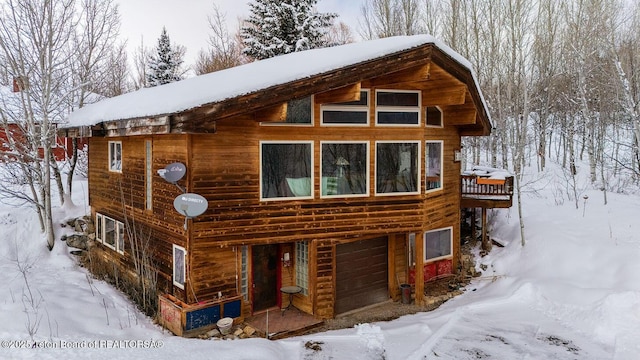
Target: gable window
179,269
299,111
347,113
438,244
115,156
110,232
302,266
397,167
344,168
286,170
397,107
433,166
433,116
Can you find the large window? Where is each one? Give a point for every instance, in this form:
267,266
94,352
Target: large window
344,169
286,170
347,113
179,268
438,244
110,232
397,167
302,266
397,107
433,166
115,156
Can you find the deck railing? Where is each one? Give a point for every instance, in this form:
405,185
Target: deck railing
473,185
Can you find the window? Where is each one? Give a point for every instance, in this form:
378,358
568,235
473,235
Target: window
110,232
438,244
115,156
149,175
397,107
433,166
302,266
99,235
411,249
299,111
344,169
397,168
286,170
347,113
434,116
244,272
179,257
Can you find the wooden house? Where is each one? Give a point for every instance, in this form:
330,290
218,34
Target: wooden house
333,172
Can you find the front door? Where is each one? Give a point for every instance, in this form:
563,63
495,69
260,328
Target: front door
264,261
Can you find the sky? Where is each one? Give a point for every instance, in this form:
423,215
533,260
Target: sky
186,20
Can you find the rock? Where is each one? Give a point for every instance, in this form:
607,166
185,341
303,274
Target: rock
77,241
213,333
238,332
249,330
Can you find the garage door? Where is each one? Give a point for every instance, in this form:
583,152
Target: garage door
361,274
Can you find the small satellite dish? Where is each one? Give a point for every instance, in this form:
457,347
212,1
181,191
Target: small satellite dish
190,205
173,172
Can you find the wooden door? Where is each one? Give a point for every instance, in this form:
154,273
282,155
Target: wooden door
264,264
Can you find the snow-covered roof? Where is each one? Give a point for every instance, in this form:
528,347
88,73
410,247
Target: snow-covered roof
211,88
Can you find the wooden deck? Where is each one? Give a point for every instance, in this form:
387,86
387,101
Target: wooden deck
486,193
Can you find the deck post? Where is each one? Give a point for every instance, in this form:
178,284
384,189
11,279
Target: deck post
473,225
486,244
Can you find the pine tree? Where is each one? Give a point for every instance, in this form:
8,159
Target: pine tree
164,62
279,27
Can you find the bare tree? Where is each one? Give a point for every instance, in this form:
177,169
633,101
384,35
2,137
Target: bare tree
225,50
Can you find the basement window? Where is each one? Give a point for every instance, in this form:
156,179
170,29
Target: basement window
179,268
286,170
110,232
397,168
438,244
397,107
345,170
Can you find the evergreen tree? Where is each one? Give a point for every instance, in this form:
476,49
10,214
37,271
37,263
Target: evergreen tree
279,27
164,62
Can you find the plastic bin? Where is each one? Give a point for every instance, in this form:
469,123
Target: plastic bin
405,289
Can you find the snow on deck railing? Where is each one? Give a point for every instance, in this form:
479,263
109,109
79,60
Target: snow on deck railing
486,181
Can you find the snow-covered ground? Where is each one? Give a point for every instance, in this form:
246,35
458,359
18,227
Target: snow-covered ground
573,292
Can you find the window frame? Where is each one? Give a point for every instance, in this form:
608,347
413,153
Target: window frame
442,257
173,266
367,169
301,265
400,109
311,169
418,170
285,123
426,117
101,231
112,145
341,107
426,167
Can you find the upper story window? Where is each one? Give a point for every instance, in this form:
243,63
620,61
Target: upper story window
347,113
115,156
344,168
286,170
300,111
438,244
398,107
397,168
433,116
433,165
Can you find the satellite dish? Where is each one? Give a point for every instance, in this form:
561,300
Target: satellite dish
173,172
190,205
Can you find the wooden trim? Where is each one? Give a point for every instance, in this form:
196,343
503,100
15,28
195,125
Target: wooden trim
343,94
